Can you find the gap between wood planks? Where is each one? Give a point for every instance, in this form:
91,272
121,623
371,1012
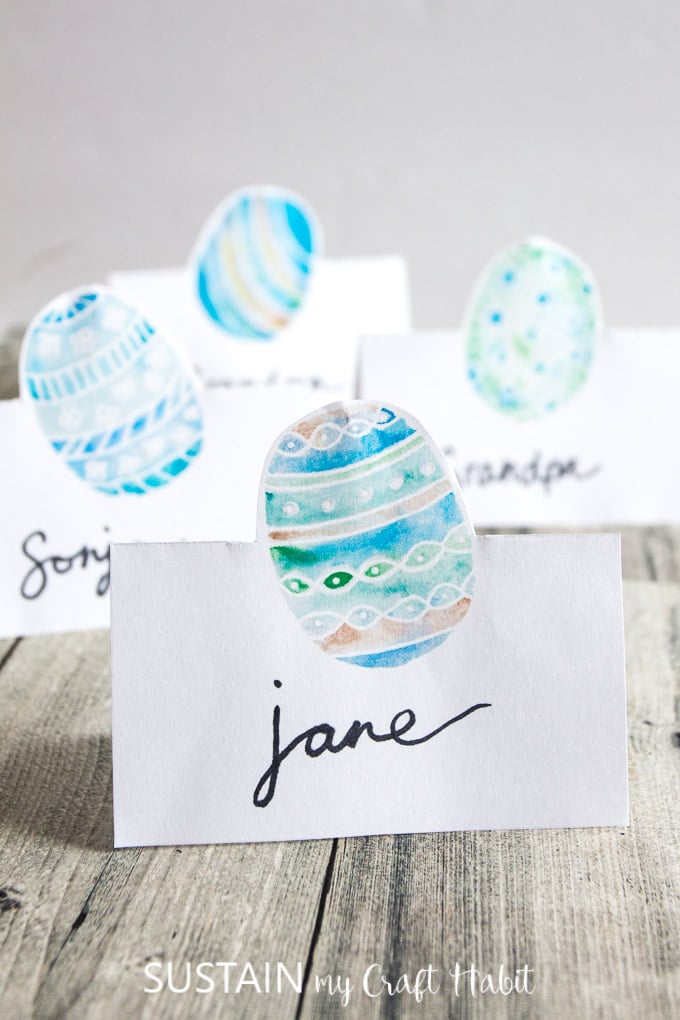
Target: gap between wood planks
318,922
82,916
10,651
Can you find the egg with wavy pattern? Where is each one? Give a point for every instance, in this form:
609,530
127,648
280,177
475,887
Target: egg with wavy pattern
532,329
254,261
368,533
113,395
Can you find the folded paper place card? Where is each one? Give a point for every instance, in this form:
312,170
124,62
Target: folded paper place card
257,302
349,298
56,528
547,417
115,439
607,457
368,665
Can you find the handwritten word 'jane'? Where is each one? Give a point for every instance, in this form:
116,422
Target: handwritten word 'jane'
46,563
320,738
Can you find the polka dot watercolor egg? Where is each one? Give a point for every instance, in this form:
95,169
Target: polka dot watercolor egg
254,261
113,395
532,329
369,534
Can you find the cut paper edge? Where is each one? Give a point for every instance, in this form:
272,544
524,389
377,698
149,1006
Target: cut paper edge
480,286
339,641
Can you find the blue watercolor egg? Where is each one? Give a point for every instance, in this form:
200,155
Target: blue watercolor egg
532,329
254,261
369,536
113,395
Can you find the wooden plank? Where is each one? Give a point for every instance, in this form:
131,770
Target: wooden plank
7,648
55,799
593,912
10,346
78,922
651,553
178,906
662,552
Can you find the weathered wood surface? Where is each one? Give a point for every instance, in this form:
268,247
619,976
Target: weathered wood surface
78,921
594,913
10,343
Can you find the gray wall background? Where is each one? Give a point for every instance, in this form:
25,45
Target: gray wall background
440,129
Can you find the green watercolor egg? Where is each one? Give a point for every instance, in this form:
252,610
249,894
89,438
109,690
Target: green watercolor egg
532,329
368,532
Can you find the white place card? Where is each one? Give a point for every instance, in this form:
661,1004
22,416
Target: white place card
55,531
230,725
607,457
348,298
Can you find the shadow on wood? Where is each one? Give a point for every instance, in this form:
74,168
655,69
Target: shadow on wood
59,789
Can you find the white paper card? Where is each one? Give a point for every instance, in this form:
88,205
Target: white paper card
200,634
606,457
347,298
55,530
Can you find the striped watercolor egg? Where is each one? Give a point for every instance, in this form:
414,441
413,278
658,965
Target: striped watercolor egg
113,395
368,532
532,329
254,260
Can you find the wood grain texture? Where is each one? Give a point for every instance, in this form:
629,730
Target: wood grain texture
10,345
79,921
55,800
594,913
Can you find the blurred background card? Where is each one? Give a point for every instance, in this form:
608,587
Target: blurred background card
606,456
56,529
348,298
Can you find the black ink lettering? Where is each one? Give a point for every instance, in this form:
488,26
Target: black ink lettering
537,471
396,736
37,577
351,738
274,378
266,786
38,569
105,579
324,730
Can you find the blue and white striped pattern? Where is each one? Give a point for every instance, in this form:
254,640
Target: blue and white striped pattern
112,395
368,533
254,261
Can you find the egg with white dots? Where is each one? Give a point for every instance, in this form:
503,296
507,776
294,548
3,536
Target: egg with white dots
371,543
532,329
254,261
113,395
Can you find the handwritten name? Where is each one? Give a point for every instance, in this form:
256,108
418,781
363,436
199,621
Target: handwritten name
274,378
44,564
318,739
539,470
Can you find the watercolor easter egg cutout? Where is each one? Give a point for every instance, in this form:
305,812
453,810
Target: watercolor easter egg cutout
114,396
370,539
254,261
531,329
